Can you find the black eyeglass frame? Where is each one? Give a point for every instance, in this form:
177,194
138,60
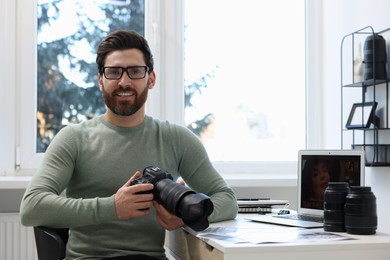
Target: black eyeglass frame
146,69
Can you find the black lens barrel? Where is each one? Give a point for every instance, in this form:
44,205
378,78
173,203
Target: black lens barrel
375,57
334,202
360,211
194,208
351,209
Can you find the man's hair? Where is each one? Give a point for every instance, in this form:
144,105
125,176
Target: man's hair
123,40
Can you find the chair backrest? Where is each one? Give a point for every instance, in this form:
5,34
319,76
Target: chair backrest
51,242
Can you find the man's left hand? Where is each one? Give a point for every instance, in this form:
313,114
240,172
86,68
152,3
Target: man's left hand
166,219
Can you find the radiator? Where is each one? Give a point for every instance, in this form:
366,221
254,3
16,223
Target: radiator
16,241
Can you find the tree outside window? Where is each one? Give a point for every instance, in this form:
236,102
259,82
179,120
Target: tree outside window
68,35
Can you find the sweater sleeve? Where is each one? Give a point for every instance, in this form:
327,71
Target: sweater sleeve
198,172
43,202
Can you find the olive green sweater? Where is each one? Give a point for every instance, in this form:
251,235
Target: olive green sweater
92,160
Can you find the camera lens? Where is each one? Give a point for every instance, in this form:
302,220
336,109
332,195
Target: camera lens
169,193
194,208
334,202
360,211
375,57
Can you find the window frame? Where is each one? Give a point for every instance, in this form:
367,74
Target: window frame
164,31
8,107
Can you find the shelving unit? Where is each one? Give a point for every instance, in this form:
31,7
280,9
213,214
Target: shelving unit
374,138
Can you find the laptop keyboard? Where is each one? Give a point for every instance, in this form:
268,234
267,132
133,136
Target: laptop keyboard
302,217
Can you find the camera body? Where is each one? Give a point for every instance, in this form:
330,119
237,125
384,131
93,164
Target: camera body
152,174
193,208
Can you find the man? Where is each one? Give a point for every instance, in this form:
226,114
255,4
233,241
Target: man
93,162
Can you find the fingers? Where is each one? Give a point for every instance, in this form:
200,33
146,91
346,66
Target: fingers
181,181
133,200
129,203
135,176
166,219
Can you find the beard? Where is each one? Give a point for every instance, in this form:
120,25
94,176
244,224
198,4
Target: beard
124,108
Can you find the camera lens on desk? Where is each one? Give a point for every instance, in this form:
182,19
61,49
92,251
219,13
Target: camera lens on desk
334,202
360,211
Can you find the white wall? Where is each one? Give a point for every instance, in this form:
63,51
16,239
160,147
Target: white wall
341,17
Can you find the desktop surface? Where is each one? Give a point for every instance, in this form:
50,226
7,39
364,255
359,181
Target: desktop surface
284,243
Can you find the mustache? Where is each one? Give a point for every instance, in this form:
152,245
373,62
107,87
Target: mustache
122,89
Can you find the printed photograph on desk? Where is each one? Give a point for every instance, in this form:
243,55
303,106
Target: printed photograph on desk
268,235
222,233
313,236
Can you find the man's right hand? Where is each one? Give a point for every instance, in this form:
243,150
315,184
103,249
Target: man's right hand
129,203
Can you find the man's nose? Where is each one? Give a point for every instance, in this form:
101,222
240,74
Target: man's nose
125,78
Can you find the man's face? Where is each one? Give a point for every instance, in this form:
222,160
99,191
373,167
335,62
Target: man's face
125,96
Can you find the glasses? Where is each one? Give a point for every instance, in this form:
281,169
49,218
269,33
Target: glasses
134,72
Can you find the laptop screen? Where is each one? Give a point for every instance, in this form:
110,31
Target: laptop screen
318,167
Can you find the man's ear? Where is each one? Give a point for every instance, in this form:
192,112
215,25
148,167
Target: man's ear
152,79
100,81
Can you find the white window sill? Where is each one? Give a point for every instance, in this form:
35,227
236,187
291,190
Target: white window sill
261,180
14,182
21,182
19,179
235,174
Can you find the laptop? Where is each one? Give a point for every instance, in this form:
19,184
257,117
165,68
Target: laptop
340,165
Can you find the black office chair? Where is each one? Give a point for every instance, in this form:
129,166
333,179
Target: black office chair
51,242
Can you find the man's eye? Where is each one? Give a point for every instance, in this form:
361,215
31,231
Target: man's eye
114,72
134,71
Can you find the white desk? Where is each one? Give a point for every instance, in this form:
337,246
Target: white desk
186,244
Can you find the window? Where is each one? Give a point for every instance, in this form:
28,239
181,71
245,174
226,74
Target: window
63,89
245,78
164,23
68,34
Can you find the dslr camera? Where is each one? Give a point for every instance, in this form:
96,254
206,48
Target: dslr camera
193,208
